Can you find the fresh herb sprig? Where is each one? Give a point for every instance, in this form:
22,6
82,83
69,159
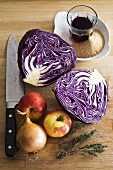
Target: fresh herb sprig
70,147
93,149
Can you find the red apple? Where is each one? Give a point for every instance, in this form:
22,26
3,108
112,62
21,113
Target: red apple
57,123
33,104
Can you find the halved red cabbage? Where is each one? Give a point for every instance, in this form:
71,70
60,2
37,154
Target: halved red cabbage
43,57
84,94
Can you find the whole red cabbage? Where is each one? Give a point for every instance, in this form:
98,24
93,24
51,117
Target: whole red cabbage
43,57
83,95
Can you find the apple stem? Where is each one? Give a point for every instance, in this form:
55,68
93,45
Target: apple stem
60,118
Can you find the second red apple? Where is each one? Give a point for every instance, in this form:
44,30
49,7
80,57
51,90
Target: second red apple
33,104
57,123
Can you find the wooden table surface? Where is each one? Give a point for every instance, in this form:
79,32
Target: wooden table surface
16,17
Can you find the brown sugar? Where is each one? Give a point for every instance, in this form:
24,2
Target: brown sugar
90,47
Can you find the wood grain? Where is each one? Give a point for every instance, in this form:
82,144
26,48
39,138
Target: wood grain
19,16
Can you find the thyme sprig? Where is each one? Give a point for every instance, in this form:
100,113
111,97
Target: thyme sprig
73,146
93,149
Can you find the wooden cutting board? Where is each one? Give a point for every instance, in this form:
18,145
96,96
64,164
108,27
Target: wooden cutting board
19,16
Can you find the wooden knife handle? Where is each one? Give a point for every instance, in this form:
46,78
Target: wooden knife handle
10,133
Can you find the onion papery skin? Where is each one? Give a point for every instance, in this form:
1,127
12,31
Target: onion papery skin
31,137
86,102
46,52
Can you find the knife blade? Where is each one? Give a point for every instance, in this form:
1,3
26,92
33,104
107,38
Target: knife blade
14,91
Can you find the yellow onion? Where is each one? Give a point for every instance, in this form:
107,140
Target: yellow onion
31,137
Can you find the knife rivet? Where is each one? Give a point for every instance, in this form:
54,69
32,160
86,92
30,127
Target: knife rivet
10,131
9,147
10,115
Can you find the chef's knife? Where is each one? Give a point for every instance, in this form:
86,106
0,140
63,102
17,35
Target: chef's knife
14,91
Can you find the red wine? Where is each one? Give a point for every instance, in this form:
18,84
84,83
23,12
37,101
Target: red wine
81,23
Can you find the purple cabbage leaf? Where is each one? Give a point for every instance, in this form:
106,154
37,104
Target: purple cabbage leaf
84,94
43,57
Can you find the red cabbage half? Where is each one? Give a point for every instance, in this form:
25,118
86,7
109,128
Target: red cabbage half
84,94
43,57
